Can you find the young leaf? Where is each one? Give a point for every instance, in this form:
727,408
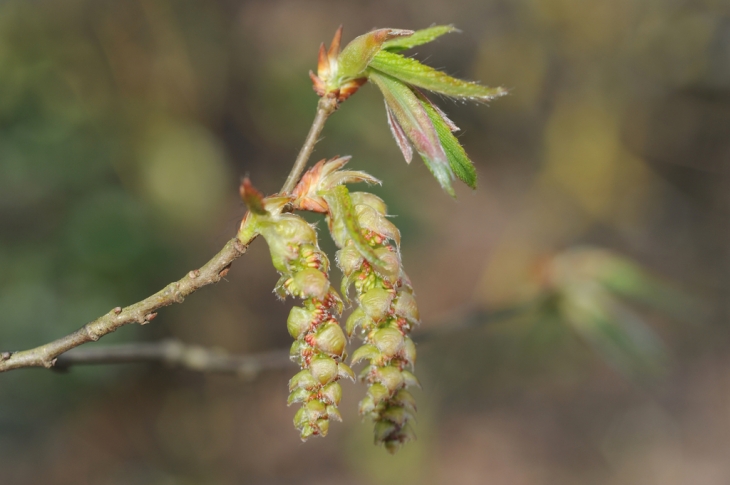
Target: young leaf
356,56
410,71
324,175
400,137
419,37
458,159
415,122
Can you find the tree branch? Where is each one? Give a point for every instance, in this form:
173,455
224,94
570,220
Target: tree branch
200,359
145,310
141,312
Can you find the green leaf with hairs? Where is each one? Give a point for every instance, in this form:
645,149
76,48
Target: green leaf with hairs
415,122
356,56
412,72
419,37
458,159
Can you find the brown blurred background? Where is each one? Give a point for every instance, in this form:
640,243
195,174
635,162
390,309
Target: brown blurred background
125,128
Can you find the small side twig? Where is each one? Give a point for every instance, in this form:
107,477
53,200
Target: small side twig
173,353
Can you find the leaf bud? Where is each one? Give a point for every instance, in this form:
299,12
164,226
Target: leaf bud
356,55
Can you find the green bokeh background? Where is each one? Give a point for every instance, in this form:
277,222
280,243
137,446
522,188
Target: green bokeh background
125,128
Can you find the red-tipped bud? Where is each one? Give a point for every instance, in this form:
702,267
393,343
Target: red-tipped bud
253,198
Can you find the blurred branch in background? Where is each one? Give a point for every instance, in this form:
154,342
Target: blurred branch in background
176,354
173,353
583,288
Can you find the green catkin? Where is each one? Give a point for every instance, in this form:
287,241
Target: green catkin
386,310
385,314
319,345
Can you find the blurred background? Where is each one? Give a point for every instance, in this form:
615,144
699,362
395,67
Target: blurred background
125,128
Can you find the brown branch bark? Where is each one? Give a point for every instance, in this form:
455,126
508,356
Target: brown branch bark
145,310
141,312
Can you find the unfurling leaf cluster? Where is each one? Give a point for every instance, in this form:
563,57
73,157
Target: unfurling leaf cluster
413,119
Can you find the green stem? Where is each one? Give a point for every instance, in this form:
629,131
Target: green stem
325,108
